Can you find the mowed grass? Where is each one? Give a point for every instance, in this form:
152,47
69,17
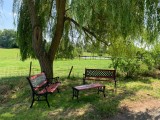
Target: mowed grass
15,93
11,65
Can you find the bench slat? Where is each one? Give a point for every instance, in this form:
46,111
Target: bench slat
50,89
85,87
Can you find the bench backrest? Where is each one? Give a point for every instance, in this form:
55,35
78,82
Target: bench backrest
99,74
37,81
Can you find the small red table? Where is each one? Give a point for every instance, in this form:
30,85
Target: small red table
76,89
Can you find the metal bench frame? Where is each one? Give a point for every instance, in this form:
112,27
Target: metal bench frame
42,87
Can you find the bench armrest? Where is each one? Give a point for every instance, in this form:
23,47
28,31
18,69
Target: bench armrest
54,80
37,89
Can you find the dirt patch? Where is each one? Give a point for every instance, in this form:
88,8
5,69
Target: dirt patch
139,110
143,105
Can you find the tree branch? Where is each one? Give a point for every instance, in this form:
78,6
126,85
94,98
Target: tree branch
86,30
60,5
83,28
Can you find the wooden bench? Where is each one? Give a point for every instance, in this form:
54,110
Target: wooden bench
100,75
76,89
41,87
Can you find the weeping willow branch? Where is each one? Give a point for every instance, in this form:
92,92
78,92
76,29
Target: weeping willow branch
86,31
83,28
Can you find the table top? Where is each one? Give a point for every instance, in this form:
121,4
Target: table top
88,86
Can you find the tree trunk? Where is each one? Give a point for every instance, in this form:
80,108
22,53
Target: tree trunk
46,66
60,7
45,62
46,59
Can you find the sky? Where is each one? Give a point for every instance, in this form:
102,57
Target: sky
6,15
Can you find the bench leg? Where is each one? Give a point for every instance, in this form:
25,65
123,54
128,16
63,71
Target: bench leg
115,87
32,100
102,89
75,93
47,100
58,90
84,81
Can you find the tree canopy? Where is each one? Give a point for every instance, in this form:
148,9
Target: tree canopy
97,21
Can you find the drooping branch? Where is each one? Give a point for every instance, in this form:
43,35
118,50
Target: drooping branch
83,28
86,31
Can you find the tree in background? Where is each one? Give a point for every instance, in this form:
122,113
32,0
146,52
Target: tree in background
8,39
97,21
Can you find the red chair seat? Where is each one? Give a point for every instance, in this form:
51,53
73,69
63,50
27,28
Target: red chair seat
50,89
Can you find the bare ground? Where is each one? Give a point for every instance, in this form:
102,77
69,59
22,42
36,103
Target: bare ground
141,110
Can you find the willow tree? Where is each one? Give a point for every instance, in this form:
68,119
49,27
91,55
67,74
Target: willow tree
98,21
34,17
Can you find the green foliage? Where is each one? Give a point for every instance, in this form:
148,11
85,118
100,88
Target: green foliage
148,60
24,33
133,61
103,25
69,50
8,39
66,50
24,27
155,55
110,19
66,47
152,16
127,57
130,66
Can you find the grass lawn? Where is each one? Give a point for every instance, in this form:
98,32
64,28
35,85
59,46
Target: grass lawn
15,100
10,65
15,93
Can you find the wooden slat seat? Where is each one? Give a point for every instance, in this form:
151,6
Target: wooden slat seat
89,86
49,89
76,89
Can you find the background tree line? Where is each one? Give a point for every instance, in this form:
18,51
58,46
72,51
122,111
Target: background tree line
8,39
